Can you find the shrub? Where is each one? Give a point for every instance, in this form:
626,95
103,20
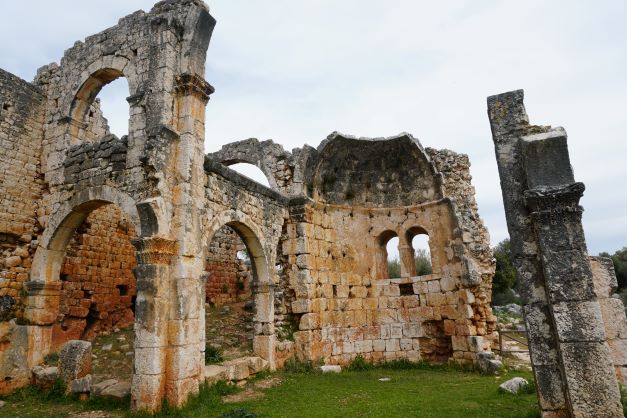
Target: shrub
213,354
223,388
51,358
239,413
359,364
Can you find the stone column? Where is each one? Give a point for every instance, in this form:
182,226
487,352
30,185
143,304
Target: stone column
42,308
406,257
154,256
570,357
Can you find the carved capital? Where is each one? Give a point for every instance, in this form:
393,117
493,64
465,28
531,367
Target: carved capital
155,250
193,84
555,202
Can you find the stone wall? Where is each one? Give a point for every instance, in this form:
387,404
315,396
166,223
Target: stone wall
21,185
229,278
612,312
97,283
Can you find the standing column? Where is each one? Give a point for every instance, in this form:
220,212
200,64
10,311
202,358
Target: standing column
154,256
570,358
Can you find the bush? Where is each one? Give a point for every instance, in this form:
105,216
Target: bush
359,364
297,366
239,413
423,262
213,355
223,388
52,359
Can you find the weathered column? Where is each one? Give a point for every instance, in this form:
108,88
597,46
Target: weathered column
154,256
406,257
569,354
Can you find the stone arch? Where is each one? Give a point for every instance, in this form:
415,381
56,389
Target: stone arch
263,283
381,262
53,242
410,234
98,74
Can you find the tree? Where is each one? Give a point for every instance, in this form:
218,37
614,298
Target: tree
504,279
423,262
394,268
620,266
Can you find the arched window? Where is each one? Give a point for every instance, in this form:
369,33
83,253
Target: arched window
419,240
252,172
114,107
388,264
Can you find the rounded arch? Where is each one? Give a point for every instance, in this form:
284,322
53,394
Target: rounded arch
381,262
99,73
61,226
252,237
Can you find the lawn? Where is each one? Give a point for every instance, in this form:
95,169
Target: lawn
422,392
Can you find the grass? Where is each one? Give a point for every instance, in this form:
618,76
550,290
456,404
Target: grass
420,390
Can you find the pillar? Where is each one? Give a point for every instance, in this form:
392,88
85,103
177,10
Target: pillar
567,343
154,256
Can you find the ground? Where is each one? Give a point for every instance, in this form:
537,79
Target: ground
424,392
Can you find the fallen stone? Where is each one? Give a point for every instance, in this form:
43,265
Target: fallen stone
331,369
45,376
237,369
2,403
384,379
75,360
82,385
118,391
488,364
107,347
215,372
256,364
96,389
513,385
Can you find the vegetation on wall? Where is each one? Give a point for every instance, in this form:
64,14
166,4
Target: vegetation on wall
619,258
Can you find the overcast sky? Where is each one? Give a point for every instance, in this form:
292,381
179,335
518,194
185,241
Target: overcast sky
295,71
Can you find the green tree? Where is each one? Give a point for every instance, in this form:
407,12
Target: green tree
423,262
504,279
394,268
620,266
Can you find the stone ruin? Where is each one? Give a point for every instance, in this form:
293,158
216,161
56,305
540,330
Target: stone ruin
576,331
98,232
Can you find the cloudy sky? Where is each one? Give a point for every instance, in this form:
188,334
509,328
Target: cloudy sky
295,71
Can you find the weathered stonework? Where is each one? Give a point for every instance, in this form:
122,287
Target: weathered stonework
569,352
100,228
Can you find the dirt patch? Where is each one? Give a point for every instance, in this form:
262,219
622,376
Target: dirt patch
230,328
248,394
267,383
90,414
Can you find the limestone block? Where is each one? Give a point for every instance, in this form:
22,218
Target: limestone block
256,364
396,330
378,345
578,321
75,360
364,346
237,369
514,385
97,388
81,385
45,377
216,372
392,345
406,344
331,369
588,370
119,391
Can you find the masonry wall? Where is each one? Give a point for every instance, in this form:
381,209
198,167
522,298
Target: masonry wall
229,279
612,312
21,186
347,306
97,283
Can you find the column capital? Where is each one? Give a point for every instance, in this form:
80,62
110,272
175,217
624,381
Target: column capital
554,201
193,84
155,250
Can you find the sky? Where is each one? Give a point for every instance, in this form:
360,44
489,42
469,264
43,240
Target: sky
295,71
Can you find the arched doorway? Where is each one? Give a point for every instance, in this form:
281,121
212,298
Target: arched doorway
258,288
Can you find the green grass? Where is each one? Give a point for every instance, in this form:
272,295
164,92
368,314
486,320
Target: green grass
421,391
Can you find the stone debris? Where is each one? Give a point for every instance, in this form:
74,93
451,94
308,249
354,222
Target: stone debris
384,379
331,369
81,385
118,391
489,364
75,360
45,377
513,385
97,388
